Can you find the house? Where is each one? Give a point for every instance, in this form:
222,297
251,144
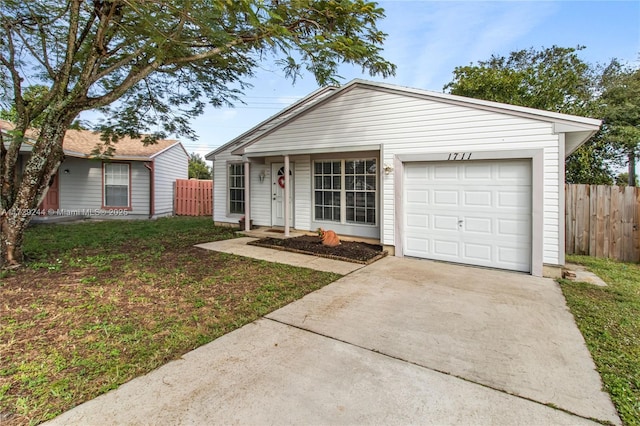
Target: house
136,181
426,174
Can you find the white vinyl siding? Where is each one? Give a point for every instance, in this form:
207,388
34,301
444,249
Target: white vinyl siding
169,165
81,189
221,188
302,191
405,125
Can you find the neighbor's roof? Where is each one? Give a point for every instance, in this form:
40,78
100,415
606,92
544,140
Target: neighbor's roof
80,143
582,128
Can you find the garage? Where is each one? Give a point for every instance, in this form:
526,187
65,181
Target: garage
471,212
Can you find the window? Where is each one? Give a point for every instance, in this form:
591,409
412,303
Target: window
116,184
236,188
360,191
345,191
327,190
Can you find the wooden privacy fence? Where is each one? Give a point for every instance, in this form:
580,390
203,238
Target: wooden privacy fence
193,197
603,221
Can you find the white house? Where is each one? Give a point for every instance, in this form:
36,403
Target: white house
136,181
429,175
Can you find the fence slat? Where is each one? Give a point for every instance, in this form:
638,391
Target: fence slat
593,218
193,197
569,224
603,221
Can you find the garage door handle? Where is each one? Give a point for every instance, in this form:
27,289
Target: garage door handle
460,223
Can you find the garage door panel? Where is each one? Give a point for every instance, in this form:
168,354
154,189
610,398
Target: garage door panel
477,198
469,212
446,248
512,173
520,199
417,196
477,172
445,172
513,227
418,247
482,225
479,252
445,223
513,256
445,197
419,221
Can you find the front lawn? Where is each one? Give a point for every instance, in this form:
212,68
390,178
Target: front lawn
100,303
609,319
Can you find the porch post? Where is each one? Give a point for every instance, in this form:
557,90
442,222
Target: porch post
247,197
287,200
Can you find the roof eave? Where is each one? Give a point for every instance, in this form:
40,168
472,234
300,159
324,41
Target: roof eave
245,137
168,148
82,155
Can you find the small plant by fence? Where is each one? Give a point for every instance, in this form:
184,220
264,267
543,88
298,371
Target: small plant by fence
603,221
193,197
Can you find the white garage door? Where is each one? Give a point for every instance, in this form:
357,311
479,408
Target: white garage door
473,212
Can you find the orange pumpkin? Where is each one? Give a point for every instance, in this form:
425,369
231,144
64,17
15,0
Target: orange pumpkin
329,238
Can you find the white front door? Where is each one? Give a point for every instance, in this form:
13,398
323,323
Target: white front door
473,212
277,194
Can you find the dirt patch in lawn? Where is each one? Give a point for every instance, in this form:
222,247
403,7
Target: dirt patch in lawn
350,251
102,303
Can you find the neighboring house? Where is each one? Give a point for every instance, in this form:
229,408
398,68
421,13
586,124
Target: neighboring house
427,174
137,181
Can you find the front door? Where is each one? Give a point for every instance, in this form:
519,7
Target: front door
277,194
51,200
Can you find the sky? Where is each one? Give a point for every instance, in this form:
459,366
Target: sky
428,39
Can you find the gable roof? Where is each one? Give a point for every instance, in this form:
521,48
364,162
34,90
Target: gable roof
80,143
578,129
271,122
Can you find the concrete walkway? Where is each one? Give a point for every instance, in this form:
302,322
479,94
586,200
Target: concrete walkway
401,341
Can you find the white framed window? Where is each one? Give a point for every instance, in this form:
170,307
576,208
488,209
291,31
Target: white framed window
117,185
236,188
327,190
345,191
360,191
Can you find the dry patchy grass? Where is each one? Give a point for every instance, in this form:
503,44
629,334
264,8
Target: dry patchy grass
101,303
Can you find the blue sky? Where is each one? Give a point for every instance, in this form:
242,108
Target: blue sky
428,39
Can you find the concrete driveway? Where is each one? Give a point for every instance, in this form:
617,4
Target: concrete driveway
401,341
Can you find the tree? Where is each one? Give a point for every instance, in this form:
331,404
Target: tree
620,106
31,94
198,169
552,79
149,66
623,179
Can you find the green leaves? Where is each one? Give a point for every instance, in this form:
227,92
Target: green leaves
556,79
553,79
198,169
155,58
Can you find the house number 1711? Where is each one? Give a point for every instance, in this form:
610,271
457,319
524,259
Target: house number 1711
454,156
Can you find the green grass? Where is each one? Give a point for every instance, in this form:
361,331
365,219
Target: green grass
609,319
100,303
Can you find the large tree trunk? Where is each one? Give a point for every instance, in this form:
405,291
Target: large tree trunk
12,226
43,163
